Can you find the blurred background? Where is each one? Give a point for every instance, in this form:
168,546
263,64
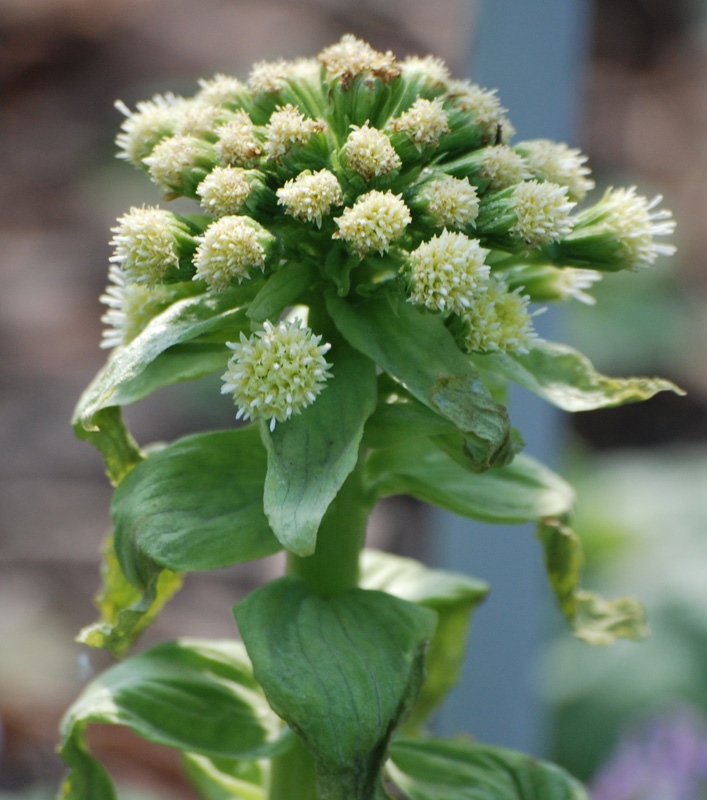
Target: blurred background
641,471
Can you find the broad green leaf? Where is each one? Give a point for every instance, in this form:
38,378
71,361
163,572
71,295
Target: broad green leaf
451,595
125,610
109,435
196,504
181,362
398,419
225,779
524,490
417,349
283,288
459,769
183,321
194,695
342,671
593,618
566,378
311,454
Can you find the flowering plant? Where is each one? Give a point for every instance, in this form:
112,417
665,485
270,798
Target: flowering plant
362,272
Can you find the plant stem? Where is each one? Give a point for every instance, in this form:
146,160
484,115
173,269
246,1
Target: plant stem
292,775
333,567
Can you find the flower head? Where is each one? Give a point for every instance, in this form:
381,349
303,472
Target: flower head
272,76
370,152
237,144
351,57
277,372
432,69
131,306
425,122
173,158
146,245
229,250
488,112
503,167
499,321
543,211
634,222
310,196
556,162
197,119
447,271
288,126
220,89
224,191
452,201
144,128
374,222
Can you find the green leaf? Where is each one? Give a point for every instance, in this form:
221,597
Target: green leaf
183,321
165,695
417,349
109,435
524,490
457,769
398,419
593,618
311,454
342,671
125,611
283,288
566,378
451,595
196,504
225,779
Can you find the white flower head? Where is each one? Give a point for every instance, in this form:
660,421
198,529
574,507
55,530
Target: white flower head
504,167
237,144
131,306
220,89
351,57
370,152
488,112
425,122
635,222
447,271
499,321
311,195
288,126
145,244
452,201
434,70
277,372
197,119
542,211
172,157
143,128
374,222
273,76
556,162
229,249
571,283
224,191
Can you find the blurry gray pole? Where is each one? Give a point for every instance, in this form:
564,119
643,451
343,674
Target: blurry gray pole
533,52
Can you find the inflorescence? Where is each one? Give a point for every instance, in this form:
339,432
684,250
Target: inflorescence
383,176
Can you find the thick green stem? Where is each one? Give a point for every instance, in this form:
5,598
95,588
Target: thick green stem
333,568
292,775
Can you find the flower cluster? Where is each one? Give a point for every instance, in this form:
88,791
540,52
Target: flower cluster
377,176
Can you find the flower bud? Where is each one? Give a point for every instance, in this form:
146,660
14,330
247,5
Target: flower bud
425,122
449,202
152,245
498,321
374,222
178,164
446,272
226,190
369,152
277,372
231,249
310,196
